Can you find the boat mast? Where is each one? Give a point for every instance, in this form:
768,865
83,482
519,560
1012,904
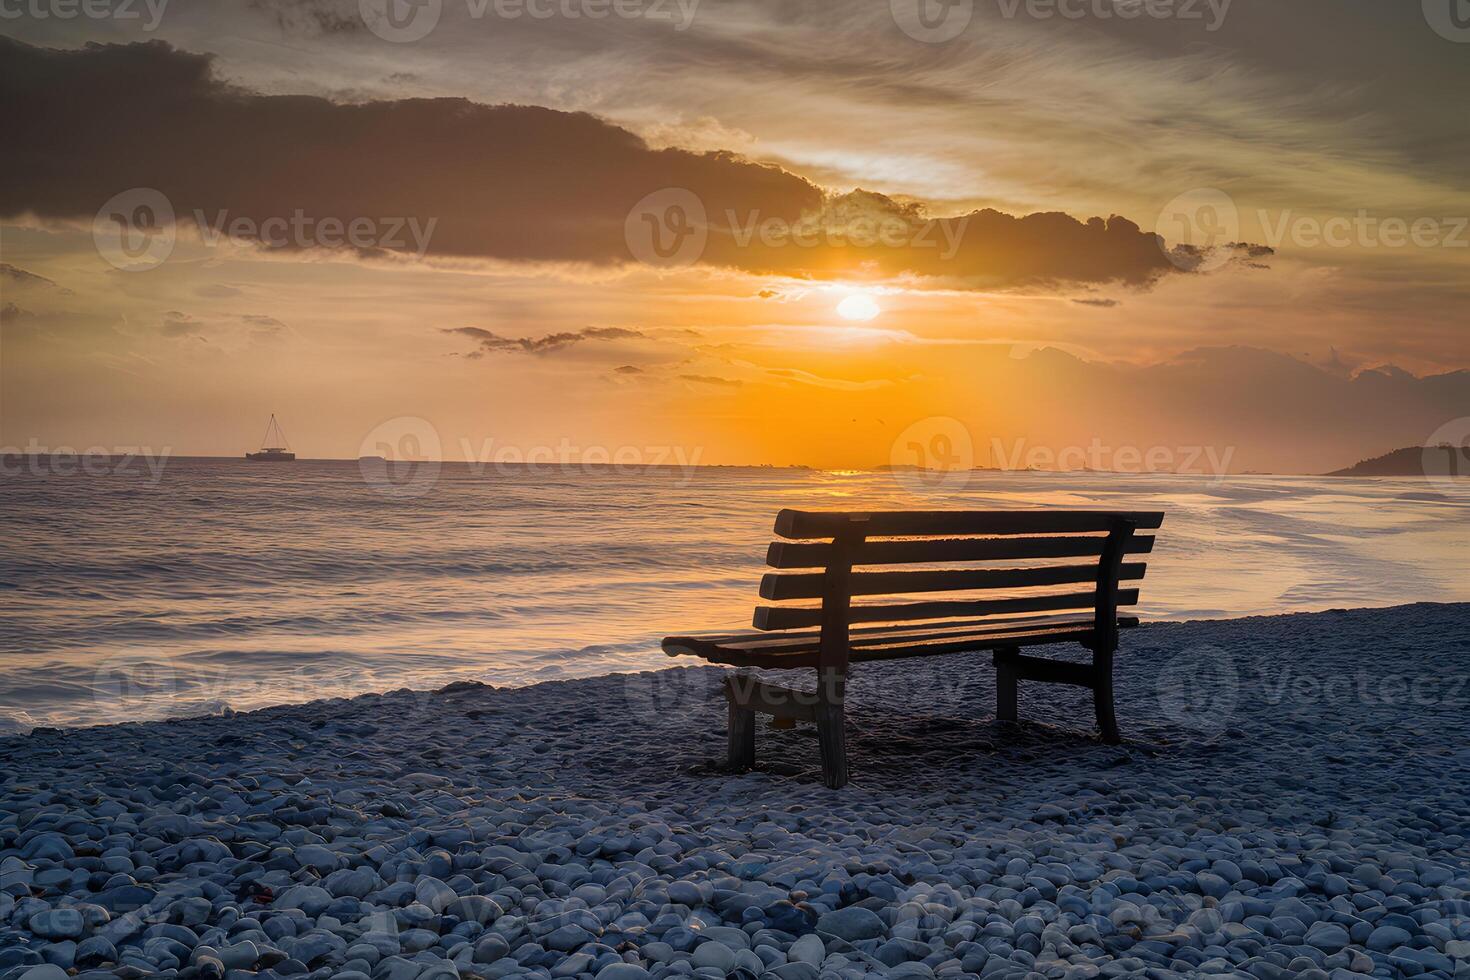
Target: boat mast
275,426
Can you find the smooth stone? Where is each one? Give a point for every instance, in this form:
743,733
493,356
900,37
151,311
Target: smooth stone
57,924
715,955
1327,936
1385,938
808,949
47,971
852,924
623,971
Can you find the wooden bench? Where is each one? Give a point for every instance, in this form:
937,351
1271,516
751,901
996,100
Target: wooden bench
1043,603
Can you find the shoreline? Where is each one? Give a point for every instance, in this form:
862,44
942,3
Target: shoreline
225,710
1266,820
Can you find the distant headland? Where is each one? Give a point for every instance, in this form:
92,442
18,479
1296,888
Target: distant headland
1445,460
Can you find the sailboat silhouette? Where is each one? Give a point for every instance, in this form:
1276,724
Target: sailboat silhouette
273,448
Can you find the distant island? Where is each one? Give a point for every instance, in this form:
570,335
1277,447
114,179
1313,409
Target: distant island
1445,460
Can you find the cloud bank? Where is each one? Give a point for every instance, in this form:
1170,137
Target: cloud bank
503,182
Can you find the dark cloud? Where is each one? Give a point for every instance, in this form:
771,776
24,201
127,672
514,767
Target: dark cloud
176,324
709,379
508,182
627,369
263,327
24,277
310,17
10,313
1099,301
549,343
217,290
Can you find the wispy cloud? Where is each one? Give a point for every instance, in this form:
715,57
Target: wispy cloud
710,379
493,343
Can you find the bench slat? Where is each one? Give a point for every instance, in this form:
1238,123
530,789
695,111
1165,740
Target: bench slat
787,617
791,554
804,585
897,648
825,524
901,633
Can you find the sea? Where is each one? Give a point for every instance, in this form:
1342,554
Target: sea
169,588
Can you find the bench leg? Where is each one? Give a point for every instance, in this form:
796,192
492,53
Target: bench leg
1005,683
741,735
1102,694
832,728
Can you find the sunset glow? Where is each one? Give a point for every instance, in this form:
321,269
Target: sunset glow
859,306
532,261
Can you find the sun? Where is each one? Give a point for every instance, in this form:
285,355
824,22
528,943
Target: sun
858,306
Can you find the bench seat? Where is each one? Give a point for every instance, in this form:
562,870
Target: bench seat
928,583
791,650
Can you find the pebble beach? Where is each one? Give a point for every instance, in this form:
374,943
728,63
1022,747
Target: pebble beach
1292,800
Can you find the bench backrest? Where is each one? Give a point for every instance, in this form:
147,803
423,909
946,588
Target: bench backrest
1055,561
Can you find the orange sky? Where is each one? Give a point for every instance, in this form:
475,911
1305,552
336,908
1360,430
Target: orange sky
531,312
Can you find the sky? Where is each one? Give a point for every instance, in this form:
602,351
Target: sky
830,234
